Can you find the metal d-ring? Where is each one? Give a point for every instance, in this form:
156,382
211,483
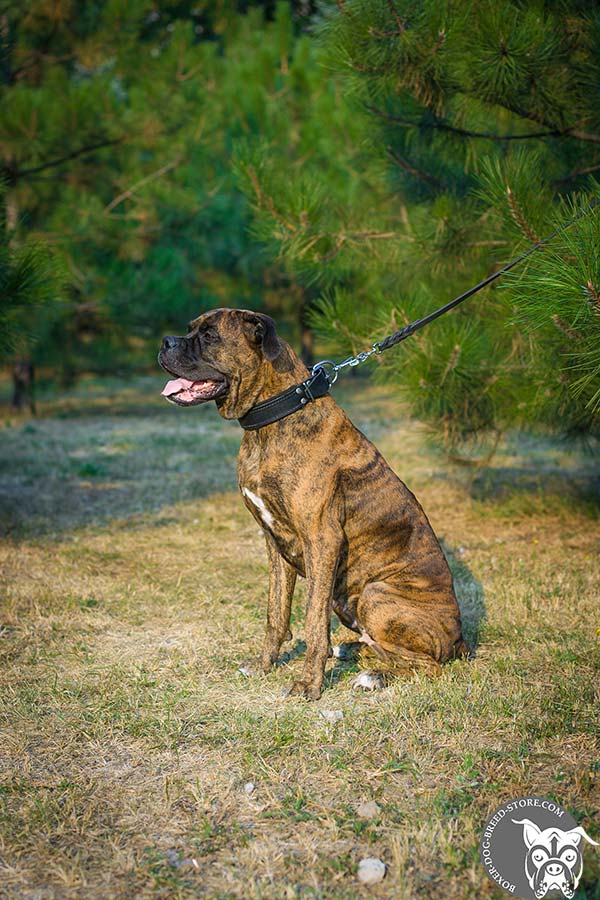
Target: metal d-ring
332,375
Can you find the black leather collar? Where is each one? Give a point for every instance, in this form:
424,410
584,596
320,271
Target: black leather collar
287,402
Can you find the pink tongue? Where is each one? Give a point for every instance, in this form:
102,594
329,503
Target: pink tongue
178,384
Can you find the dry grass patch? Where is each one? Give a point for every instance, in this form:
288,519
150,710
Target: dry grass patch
133,585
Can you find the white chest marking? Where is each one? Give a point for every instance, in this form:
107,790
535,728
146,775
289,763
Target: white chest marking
265,515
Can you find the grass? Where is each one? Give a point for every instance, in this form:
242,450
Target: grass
133,585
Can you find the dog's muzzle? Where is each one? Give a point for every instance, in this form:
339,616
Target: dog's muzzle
194,382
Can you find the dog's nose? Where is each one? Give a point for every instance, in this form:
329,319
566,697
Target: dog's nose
554,869
168,342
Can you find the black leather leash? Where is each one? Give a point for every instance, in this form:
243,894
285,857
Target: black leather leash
408,330
325,373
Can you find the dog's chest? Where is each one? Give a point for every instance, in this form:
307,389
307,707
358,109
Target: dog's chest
259,508
266,495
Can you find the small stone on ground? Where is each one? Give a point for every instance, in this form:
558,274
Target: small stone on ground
368,810
368,681
332,715
371,870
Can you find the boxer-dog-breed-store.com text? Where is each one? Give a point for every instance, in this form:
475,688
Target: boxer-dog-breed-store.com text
331,508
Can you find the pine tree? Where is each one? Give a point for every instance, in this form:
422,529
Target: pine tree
475,133
116,138
28,280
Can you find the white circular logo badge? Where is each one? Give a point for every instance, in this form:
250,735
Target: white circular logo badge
533,849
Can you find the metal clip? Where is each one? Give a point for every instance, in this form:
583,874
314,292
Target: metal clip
332,375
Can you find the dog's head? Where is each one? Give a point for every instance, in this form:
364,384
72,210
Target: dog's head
221,358
554,860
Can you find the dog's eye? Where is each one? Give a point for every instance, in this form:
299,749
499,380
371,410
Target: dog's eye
538,856
209,336
569,856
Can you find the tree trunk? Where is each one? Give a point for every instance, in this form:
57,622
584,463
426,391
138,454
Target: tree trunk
23,375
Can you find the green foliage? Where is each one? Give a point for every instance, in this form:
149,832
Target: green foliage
365,167
566,329
474,134
29,281
119,122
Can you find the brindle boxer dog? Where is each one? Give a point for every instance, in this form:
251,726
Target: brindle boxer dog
331,508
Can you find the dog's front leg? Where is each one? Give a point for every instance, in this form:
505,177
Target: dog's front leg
282,580
322,559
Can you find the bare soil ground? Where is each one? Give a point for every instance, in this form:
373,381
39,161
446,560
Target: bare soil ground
133,584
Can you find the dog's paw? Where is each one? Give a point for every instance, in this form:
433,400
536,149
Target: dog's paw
307,689
369,681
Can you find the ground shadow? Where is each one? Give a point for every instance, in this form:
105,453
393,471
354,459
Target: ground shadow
470,596
516,486
60,475
288,656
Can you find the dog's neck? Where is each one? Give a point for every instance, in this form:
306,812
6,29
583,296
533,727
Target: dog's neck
274,380
281,374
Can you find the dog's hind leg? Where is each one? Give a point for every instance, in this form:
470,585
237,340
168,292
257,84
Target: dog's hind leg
402,634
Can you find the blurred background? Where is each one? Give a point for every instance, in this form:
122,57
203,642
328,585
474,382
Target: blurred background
345,167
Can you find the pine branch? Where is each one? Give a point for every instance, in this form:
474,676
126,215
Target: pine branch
438,44
400,24
369,70
593,295
566,329
445,126
412,169
354,341
464,132
576,173
265,201
375,235
341,239
452,362
583,135
16,174
152,177
37,58
520,219
566,132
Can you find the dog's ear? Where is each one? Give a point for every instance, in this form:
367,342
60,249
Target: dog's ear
260,329
575,835
531,832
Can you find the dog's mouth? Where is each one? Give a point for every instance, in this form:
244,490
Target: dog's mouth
190,393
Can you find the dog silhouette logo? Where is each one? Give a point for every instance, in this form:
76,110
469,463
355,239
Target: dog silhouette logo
554,861
533,849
